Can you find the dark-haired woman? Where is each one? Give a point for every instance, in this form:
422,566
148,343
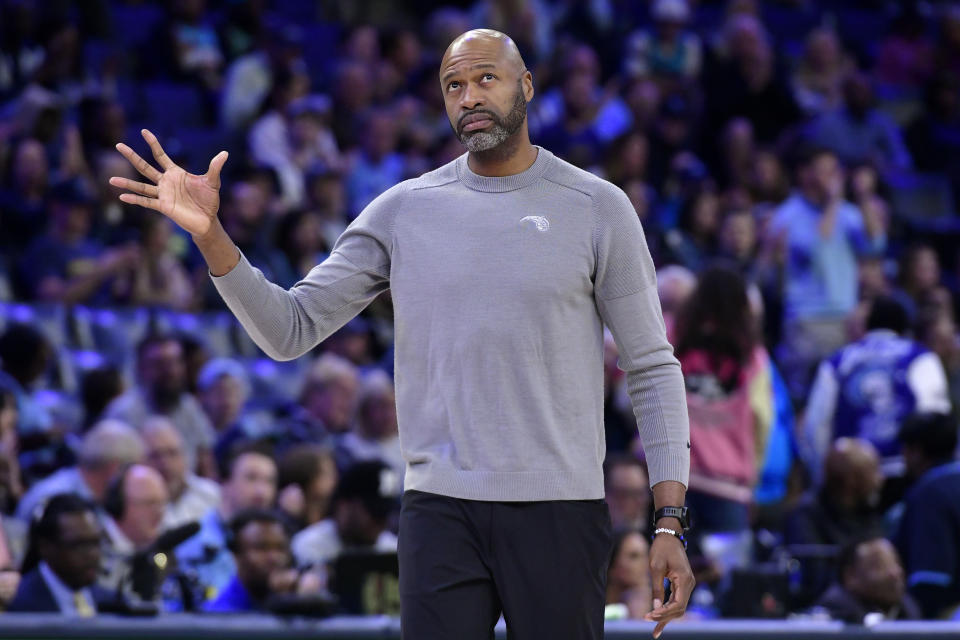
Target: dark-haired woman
727,375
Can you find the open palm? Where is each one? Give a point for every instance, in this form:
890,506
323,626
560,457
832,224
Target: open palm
191,201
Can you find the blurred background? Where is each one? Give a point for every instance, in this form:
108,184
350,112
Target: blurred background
795,165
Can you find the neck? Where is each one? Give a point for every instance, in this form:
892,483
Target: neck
95,481
515,155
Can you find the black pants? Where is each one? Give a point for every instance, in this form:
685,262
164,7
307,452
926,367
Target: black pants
463,562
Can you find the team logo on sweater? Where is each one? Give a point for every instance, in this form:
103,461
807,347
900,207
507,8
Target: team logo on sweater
541,223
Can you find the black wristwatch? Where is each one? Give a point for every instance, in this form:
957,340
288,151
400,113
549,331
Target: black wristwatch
680,513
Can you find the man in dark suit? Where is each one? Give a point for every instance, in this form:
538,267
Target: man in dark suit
63,560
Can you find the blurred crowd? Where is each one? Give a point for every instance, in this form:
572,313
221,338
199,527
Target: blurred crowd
795,165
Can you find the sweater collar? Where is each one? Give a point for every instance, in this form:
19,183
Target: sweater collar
499,184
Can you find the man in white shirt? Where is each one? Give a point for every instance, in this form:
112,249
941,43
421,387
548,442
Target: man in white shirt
191,496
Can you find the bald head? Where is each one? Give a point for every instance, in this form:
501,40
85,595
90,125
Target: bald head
487,41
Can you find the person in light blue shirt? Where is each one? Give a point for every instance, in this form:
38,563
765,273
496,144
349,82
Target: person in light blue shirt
817,237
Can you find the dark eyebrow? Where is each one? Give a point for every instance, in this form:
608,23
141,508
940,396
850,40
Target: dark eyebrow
481,65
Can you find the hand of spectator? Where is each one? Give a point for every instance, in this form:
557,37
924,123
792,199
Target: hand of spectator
668,560
9,581
191,201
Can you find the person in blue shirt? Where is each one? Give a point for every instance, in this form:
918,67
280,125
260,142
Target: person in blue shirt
816,238
929,537
260,543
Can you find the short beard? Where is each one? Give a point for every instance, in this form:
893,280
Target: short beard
501,129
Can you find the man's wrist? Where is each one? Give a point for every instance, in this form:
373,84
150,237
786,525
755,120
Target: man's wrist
669,522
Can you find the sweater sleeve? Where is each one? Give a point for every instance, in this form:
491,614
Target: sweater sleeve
288,323
626,295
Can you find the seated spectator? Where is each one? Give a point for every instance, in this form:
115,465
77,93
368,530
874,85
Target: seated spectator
938,332
158,278
674,286
738,241
360,508
627,492
815,238
727,375
249,481
65,264
23,201
245,216
299,235
261,545
859,132
871,587
934,135
162,389
108,447
695,240
191,496
374,435
376,165
353,342
669,52
196,48
866,389
818,81
918,277
308,478
846,505
98,388
327,401
136,501
11,484
25,355
928,538
223,389
628,576
64,561
905,55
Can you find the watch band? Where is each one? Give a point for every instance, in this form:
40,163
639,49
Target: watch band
680,513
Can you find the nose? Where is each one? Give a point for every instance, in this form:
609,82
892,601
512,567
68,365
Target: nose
471,98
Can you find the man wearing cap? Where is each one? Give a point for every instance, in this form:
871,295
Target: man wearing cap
503,266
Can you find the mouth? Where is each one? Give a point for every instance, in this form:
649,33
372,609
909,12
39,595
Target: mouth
475,121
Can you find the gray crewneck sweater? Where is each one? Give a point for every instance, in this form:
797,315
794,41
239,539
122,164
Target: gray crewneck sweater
500,287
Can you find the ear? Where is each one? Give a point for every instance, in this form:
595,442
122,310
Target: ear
528,91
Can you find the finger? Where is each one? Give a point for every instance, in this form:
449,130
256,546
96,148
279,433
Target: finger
669,611
158,153
659,629
149,203
145,169
216,165
137,187
657,574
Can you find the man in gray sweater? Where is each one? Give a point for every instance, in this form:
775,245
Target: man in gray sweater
503,265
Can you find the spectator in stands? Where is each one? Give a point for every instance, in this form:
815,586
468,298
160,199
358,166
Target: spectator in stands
25,355
308,478
871,585
374,434
162,378
246,217
191,496
223,389
668,53
65,264
353,343
846,505
769,184
694,242
738,241
136,502
918,277
105,449
729,398
327,400
816,237
260,542
98,388
905,55
23,200
300,236
158,278
859,132
866,389
360,509
619,423
376,165
250,481
674,286
61,569
628,576
818,80
928,537
195,46
627,491
938,332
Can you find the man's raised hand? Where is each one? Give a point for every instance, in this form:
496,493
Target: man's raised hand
189,200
